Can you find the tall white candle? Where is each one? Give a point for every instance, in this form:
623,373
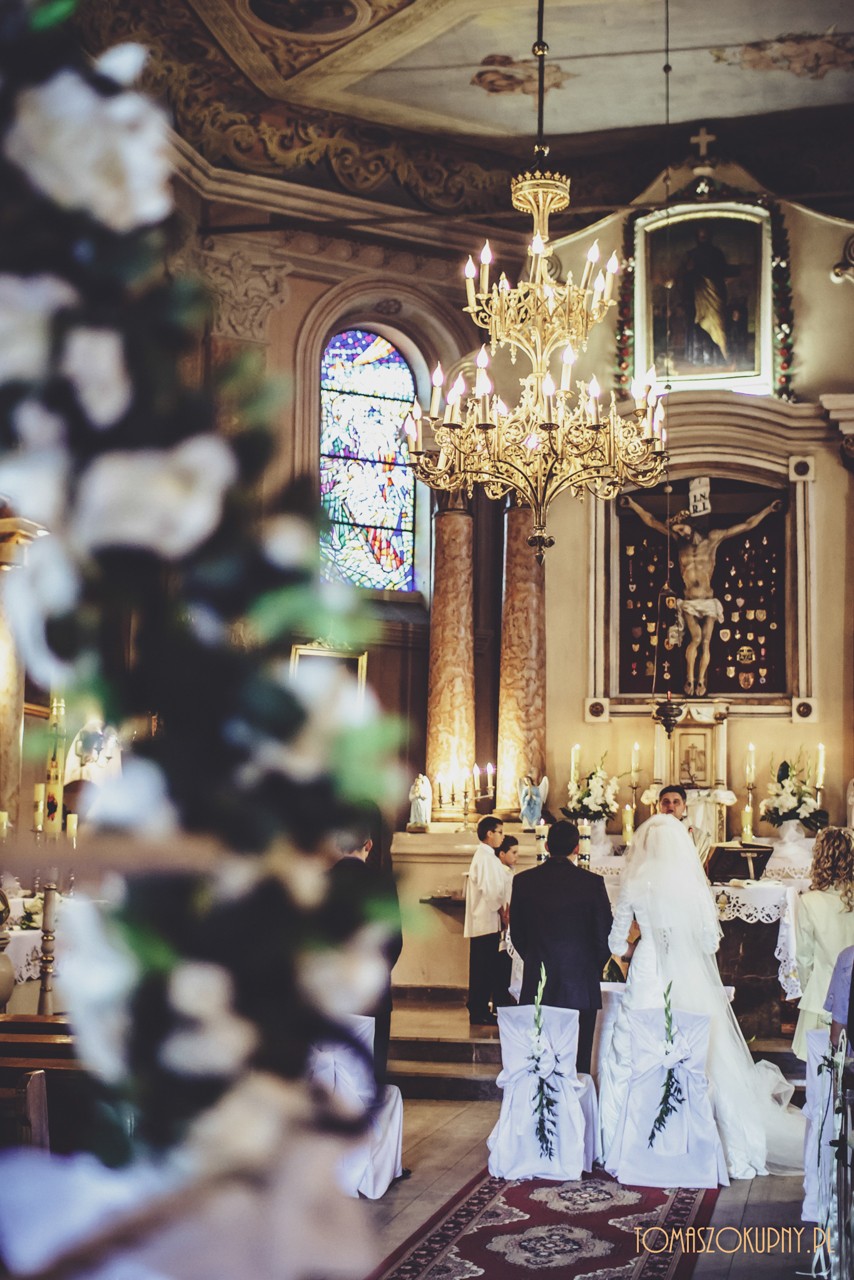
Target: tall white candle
750,765
819,768
635,763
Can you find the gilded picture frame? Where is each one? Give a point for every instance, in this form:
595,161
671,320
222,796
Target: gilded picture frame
703,297
317,651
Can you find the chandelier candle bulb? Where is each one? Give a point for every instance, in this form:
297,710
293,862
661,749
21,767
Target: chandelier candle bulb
489,773
436,395
471,272
592,259
595,392
548,397
485,260
475,773
819,768
569,358
638,394
611,268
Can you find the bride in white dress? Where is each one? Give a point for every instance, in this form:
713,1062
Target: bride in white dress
666,891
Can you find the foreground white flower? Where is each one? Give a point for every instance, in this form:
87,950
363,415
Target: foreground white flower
289,542
35,482
94,362
137,799
27,307
346,979
107,155
165,500
48,585
99,974
218,1042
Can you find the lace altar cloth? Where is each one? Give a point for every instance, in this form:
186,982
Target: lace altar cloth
24,950
764,902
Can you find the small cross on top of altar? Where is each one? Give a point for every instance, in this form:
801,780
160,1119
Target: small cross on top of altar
702,141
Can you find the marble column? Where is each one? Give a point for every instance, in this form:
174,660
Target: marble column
11,722
522,686
450,692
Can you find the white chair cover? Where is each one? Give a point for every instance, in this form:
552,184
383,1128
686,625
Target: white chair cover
514,1149
688,1151
818,1109
377,1158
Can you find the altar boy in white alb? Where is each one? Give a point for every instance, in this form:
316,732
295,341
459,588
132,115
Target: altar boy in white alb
486,889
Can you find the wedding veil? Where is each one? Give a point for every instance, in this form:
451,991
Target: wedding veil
664,873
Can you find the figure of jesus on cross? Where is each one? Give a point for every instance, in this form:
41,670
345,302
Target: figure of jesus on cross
697,553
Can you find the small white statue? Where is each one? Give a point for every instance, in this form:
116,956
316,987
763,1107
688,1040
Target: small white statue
531,800
421,801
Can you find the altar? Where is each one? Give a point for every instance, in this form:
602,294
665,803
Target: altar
757,953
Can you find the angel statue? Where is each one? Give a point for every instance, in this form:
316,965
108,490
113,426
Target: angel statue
531,800
421,802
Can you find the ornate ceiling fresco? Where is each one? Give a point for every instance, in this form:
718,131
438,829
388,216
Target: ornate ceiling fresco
432,102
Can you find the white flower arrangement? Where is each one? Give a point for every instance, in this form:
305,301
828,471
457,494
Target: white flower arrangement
594,797
791,798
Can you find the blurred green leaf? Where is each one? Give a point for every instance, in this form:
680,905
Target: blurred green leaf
51,13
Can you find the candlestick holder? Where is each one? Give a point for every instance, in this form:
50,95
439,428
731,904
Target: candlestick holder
635,786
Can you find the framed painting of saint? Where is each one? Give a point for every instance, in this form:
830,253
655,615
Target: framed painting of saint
703,304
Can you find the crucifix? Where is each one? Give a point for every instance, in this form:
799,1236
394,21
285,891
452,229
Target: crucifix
702,139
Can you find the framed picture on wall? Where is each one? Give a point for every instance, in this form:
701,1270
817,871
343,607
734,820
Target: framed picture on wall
703,305
732,639
317,651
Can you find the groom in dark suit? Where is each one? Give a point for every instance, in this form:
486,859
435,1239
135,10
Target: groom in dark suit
560,916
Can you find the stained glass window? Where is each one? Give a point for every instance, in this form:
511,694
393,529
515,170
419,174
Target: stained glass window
368,491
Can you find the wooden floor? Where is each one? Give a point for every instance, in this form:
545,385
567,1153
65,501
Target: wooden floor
445,1146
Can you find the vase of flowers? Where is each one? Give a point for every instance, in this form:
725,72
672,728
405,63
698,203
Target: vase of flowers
594,800
791,804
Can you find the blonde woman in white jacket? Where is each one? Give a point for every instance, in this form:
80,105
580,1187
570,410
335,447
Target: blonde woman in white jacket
825,926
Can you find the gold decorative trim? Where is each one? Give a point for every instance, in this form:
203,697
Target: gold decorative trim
279,138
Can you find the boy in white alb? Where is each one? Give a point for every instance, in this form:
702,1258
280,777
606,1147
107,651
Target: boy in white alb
486,888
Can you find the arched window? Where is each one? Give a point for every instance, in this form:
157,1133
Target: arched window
365,486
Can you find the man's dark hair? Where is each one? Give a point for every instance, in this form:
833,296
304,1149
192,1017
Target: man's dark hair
676,788
486,825
508,843
562,839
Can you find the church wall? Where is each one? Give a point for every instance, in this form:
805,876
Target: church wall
823,310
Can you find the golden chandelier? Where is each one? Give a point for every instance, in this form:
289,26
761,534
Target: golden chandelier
554,438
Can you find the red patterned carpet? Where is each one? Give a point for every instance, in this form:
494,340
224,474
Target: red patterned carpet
589,1230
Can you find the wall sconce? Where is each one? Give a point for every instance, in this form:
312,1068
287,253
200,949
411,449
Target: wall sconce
844,270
